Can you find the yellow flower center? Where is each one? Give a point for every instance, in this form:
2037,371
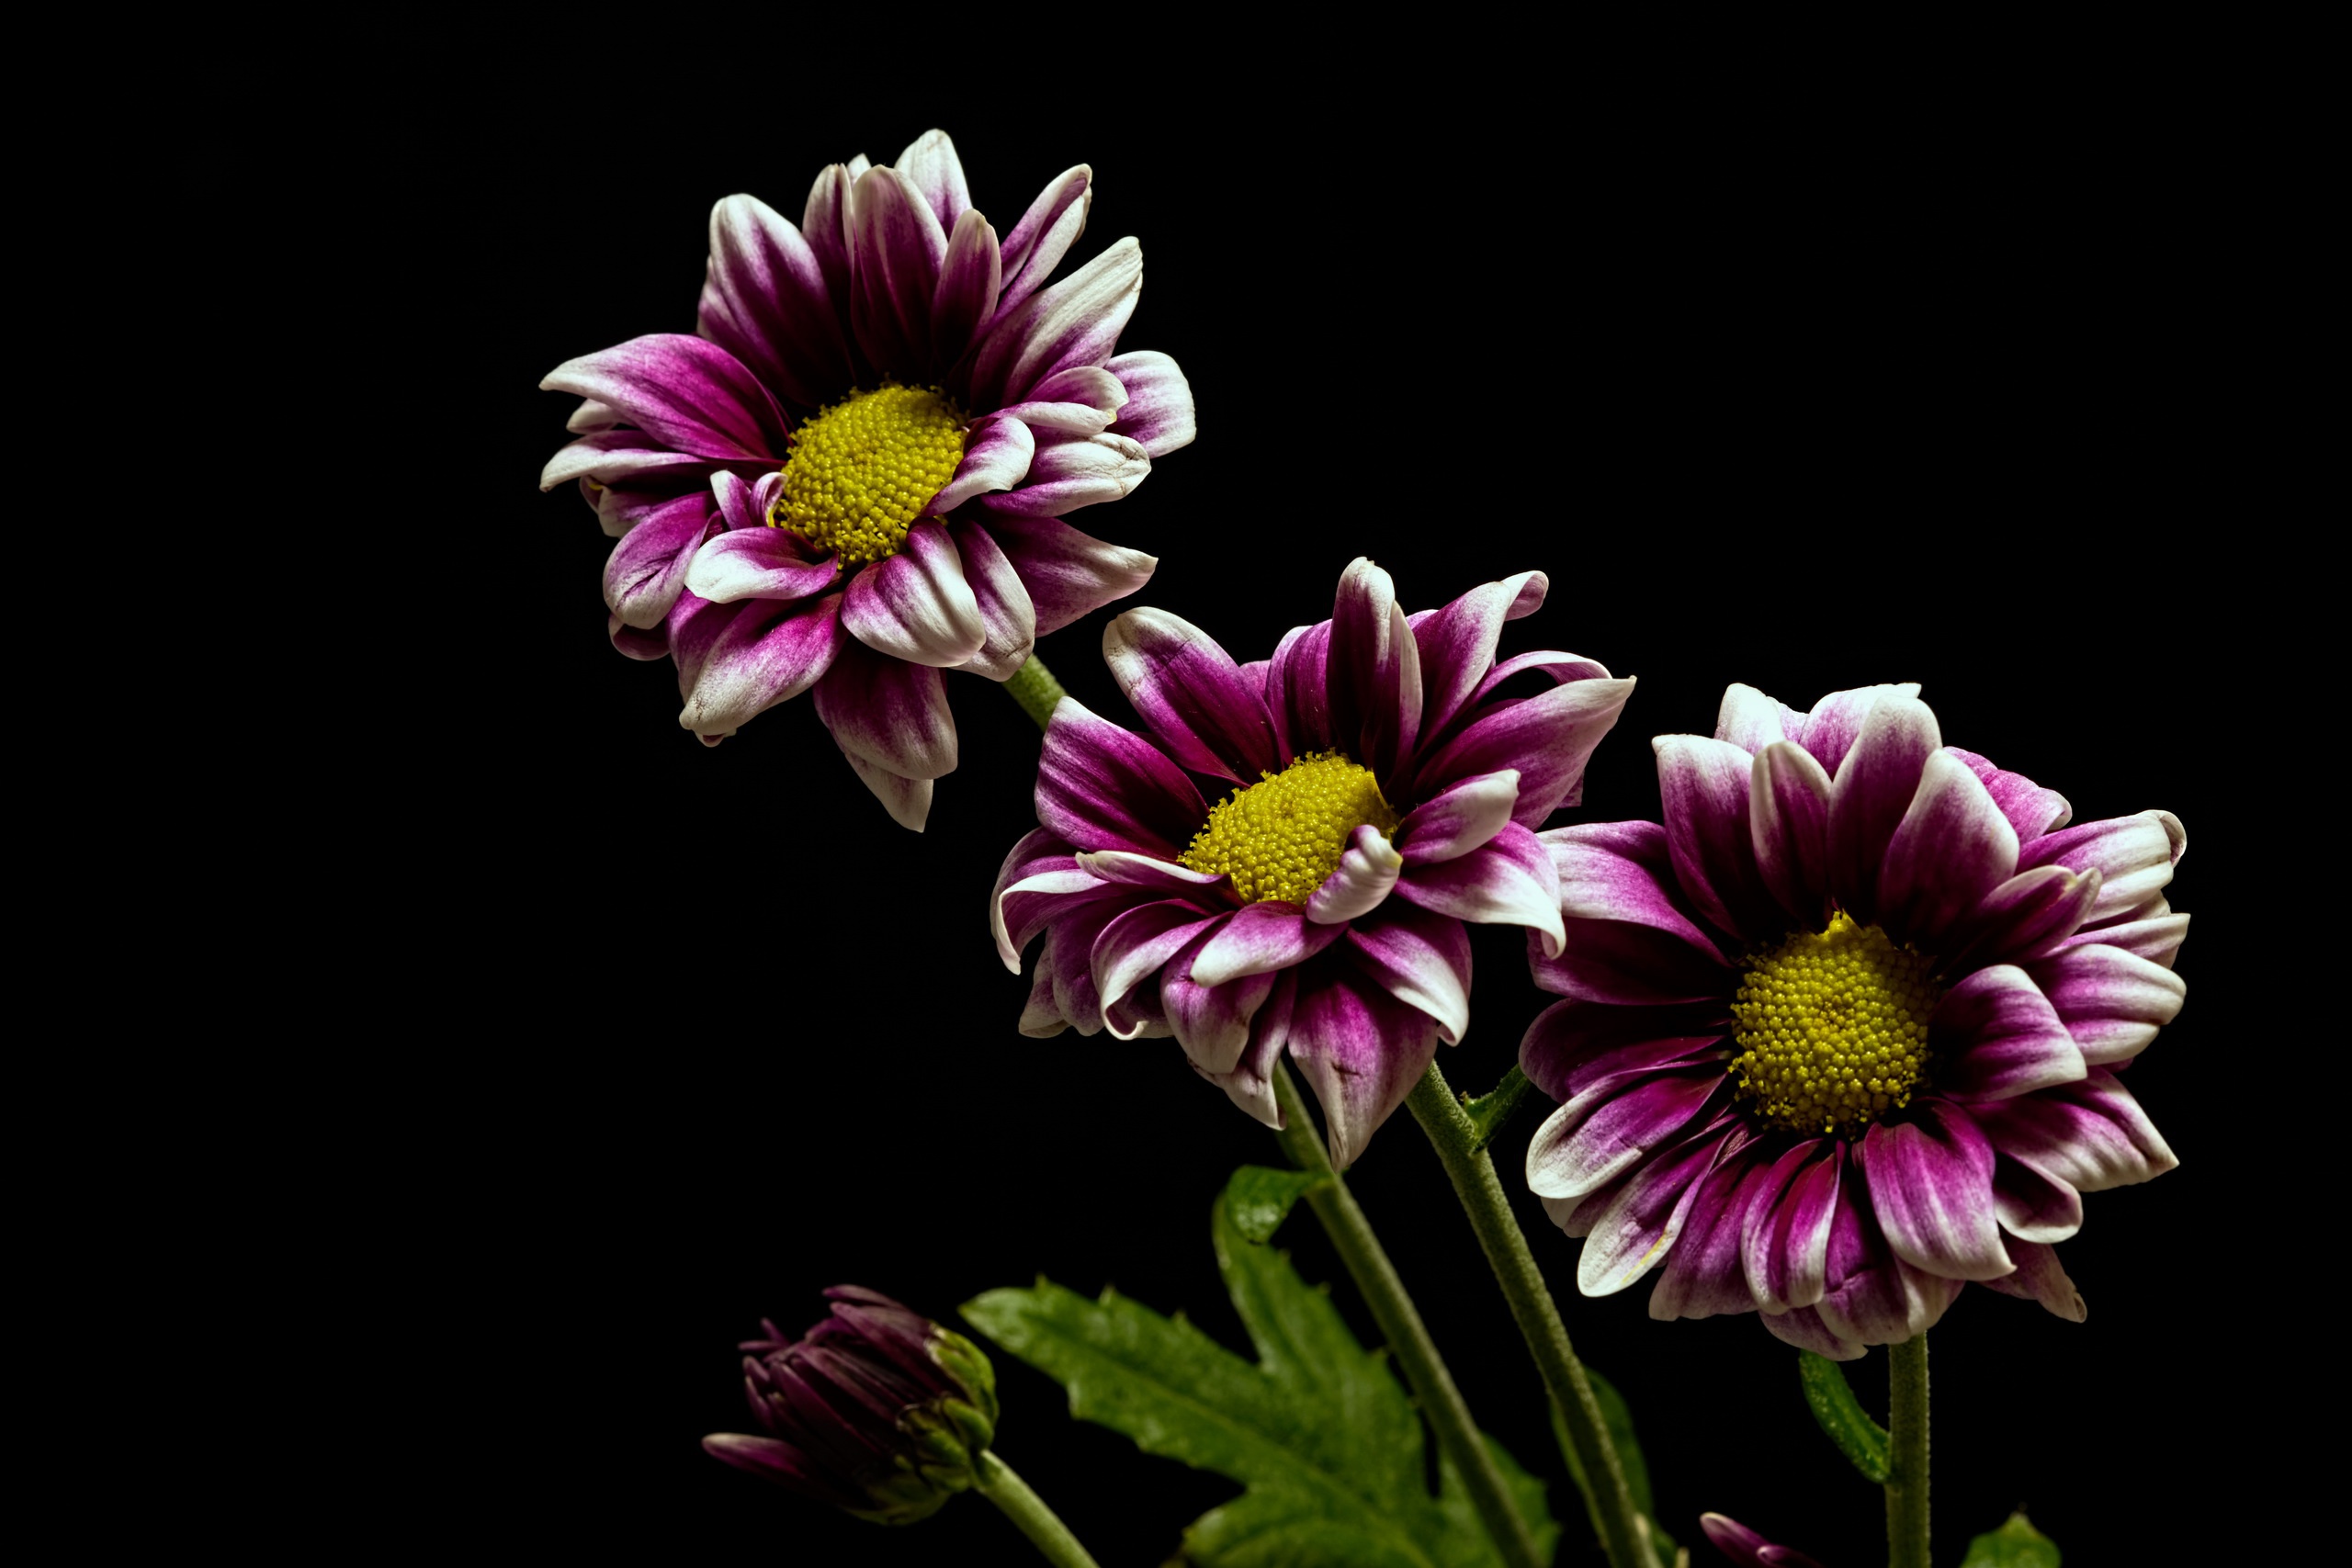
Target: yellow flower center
1280,838
1833,1028
862,471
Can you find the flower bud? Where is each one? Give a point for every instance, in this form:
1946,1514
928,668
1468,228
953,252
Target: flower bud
878,1410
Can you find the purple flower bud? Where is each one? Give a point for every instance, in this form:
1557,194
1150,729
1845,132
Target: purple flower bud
1745,1547
878,1410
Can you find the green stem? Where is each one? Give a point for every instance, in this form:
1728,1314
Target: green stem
1907,1467
1033,687
1044,1528
1400,1321
1460,1150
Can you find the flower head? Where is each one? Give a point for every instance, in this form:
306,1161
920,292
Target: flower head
879,1411
1381,789
1843,1033
851,476
1745,1547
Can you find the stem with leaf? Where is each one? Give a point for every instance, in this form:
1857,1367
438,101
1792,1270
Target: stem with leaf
1000,1486
1906,1459
1461,1144
1400,1321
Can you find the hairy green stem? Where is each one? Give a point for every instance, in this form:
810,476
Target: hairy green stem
1906,1468
1033,687
1400,1321
1462,1151
1044,1528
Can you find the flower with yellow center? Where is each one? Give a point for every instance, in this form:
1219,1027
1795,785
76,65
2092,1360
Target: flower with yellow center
854,475
1375,794
1904,1084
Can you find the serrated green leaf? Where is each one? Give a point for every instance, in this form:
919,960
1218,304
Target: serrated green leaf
1260,1198
1617,1419
1488,1113
1840,1416
1317,1430
2017,1544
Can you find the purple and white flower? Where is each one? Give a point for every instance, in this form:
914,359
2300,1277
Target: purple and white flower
852,475
1844,1033
1384,791
877,1410
1745,1547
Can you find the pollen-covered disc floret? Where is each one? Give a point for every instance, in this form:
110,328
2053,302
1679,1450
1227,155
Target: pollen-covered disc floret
1833,1028
1280,838
862,471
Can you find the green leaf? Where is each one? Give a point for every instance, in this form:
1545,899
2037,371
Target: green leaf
2015,1544
1260,1198
1489,1112
1617,1419
1318,1429
1840,1415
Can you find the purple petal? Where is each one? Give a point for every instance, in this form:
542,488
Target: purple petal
2113,1002
2031,809
1788,825
1134,945
1548,738
638,644
759,563
1423,961
1622,872
1951,849
1251,1083
906,800
1829,730
1373,678
1101,788
1192,694
969,277
1040,880
1617,1123
765,300
766,653
2091,1135
2039,1278
1994,1034
1212,1022
1072,472
1260,938
1784,1249
1508,881
824,223
1067,573
1081,400
1703,786
1641,1220
1874,1297
1360,1051
1803,1328
1044,235
1749,719
648,568
2134,855
1451,824
689,394
1157,415
915,605
2154,932
1457,643
2026,918
1870,794
2032,1206
1360,883
1133,870
1705,1275
1572,1046
936,172
1624,963
1296,694
1008,624
1076,321
1931,1191
613,457
897,244
888,712
997,454
591,417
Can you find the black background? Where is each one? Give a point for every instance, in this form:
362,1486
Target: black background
1798,396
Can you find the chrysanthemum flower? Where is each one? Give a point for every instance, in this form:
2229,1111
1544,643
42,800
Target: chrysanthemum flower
853,477
877,1410
1384,791
1843,1034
